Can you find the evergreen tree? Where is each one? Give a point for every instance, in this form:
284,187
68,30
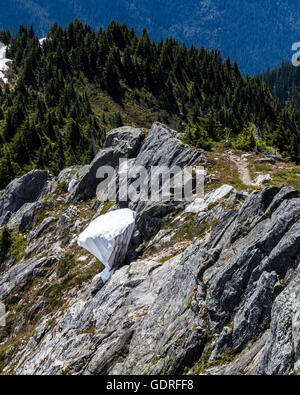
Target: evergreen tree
114,77
5,242
198,137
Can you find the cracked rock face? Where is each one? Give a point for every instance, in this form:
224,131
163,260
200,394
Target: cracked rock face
120,143
128,139
282,350
227,302
163,148
26,189
154,318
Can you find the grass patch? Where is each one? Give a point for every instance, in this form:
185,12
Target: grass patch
43,214
138,108
225,173
107,206
18,246
74,275
64,266
88,331
167,258
282,174
288,176
190,230
61,187
204,364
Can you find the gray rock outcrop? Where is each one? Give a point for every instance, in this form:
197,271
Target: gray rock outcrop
120,143
229,286
128,139
161,148
26,189
87,186
210,287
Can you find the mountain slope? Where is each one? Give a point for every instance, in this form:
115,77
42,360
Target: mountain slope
259,34
79,81
213,287
284,82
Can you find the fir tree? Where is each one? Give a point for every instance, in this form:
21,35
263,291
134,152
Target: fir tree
5,242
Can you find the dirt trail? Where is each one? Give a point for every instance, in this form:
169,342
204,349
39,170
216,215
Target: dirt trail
243,169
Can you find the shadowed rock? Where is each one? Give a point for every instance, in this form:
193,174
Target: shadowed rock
26,189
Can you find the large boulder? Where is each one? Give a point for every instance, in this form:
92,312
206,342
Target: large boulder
27,189
108,237
127,138
27,215
87,186
163,148
120,143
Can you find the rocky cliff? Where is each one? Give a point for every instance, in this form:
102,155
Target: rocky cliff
207,287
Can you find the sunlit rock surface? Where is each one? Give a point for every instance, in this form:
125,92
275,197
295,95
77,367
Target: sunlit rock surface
209,287
199,205
260,180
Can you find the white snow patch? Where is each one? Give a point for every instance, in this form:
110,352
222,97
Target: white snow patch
199,205
3,63
42,40
108,237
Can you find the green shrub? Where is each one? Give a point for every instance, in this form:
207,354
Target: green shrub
61,187
198,137
246,140
107,206
18,246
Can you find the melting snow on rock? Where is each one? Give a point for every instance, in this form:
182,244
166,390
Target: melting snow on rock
108,237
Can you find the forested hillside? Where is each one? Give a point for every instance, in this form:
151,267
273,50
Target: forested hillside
79,80
259,34
284,82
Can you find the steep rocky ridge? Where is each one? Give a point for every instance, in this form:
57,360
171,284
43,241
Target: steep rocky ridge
210,287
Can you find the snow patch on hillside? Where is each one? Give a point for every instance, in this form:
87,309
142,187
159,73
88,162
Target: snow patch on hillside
108,237
3,63
42,40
